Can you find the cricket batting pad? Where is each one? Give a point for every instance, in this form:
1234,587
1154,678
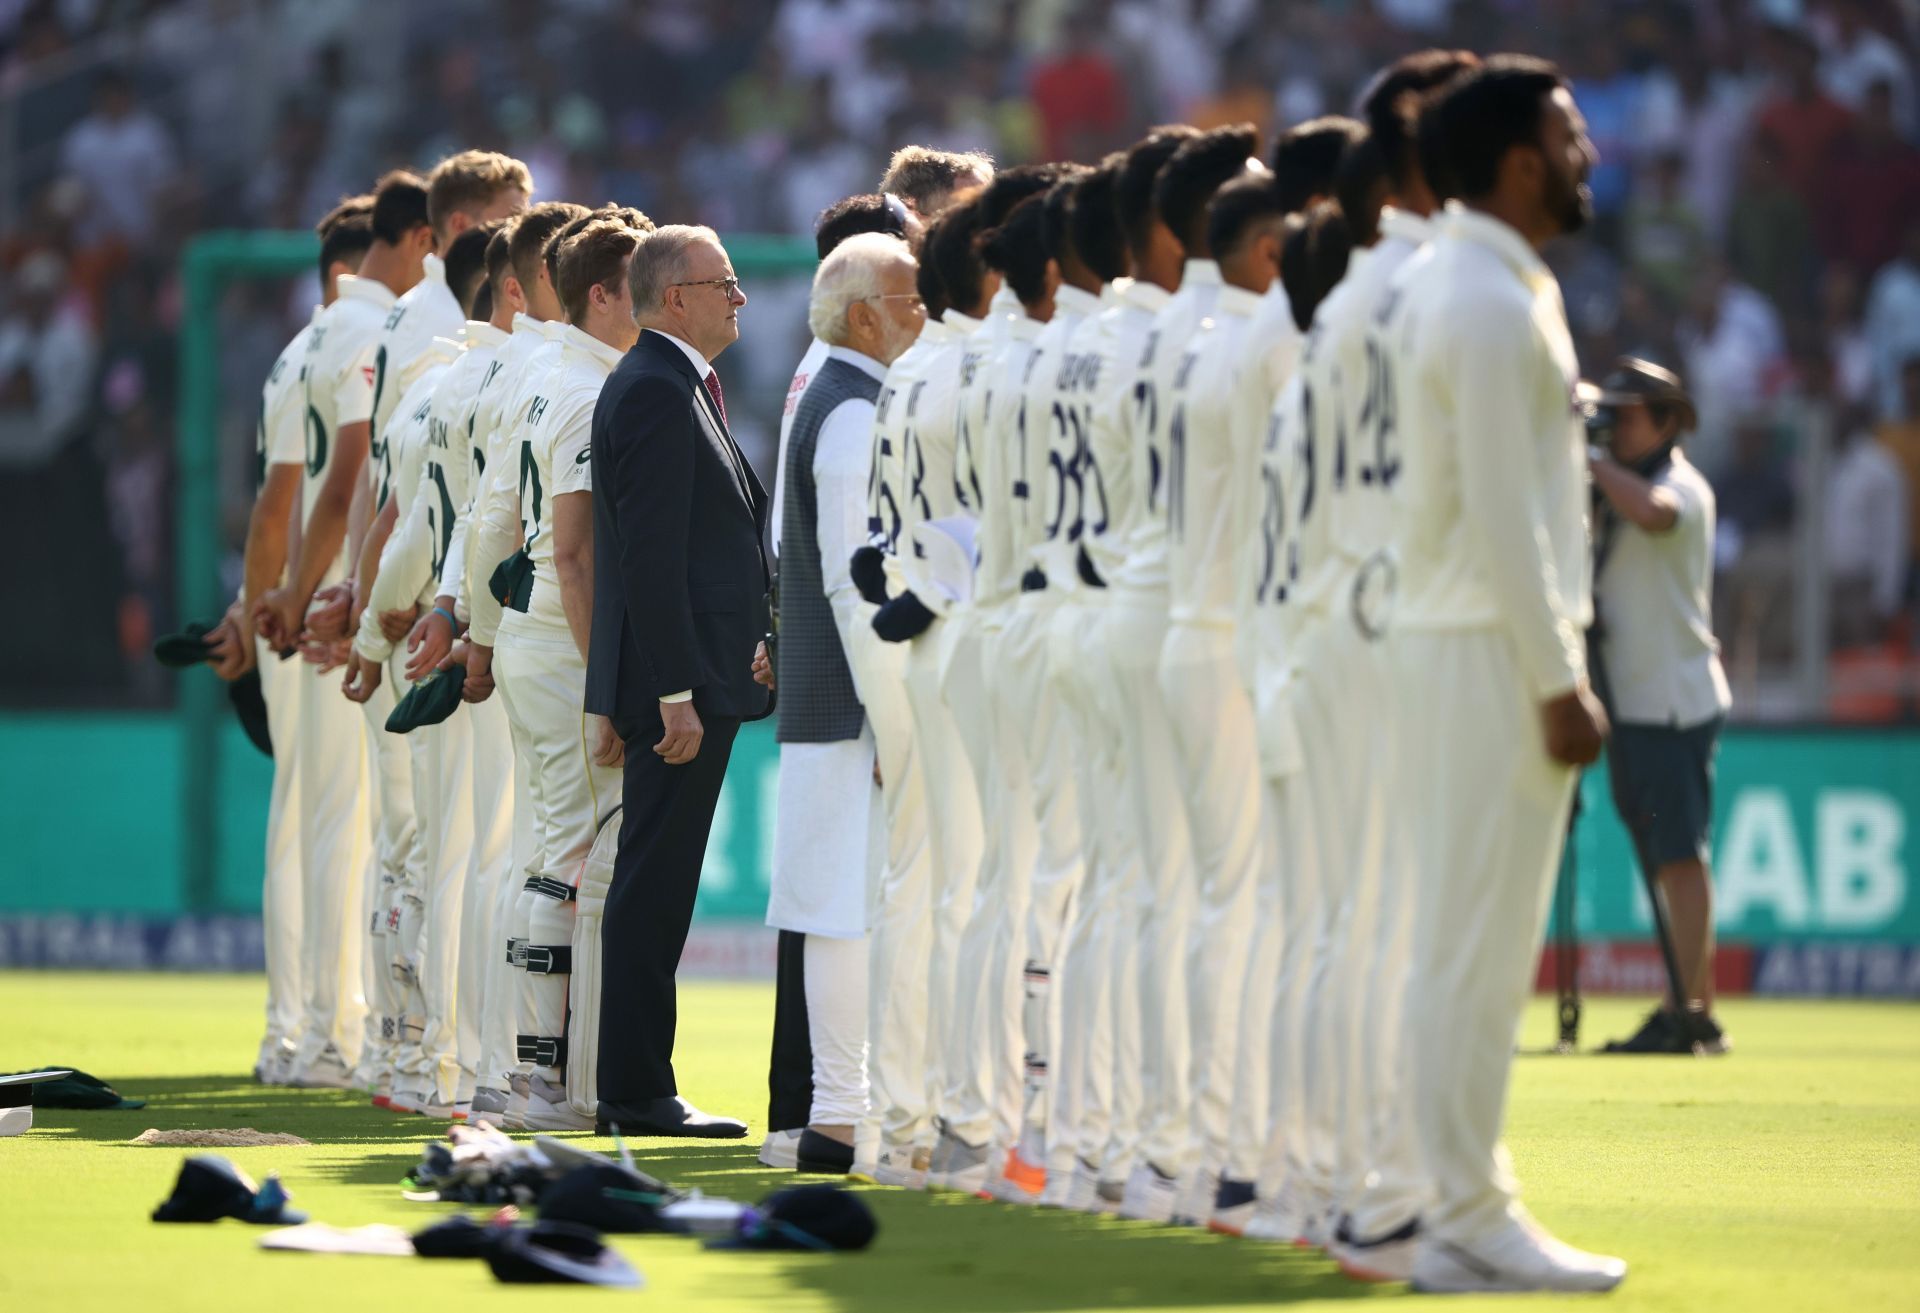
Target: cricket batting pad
583,1014
542,1030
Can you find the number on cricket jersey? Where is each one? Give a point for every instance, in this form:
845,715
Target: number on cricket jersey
530,490
1377,412
883,512
1066,474
316,443
439,517
1177,447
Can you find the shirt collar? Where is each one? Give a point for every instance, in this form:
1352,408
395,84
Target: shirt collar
1025,326
354,287
1237,301
959,325
1110,293
1497,236
861,361
317,312
1148,296
480,333
698,361
433,270
581,342
525,325
1072,300
934,330
1200,272
442,350
1005,305
1405,225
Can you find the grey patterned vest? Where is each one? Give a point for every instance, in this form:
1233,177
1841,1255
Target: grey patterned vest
817,700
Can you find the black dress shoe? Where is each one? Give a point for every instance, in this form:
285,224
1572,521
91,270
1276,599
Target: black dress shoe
671,1116
822,1154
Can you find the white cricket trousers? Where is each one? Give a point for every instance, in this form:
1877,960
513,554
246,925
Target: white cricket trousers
837,975
1025,672
501,885
483,940
545,687
1167,901
335,856
1490,817
280,889
958,838
1086,1090
1257,1074
444,794
1298,1157
1212,717
399,860
898,1076
985,1068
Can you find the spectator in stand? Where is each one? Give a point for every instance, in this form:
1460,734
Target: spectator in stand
1734,348
1901,438
122,154
1665,239
1078,93
1855,58
1805,125
1770,236
46,364
1874,189
1609,96
1708,124
1754,550
1893,322
1868,547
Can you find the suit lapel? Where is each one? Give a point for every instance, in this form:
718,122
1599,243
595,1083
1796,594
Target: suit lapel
718,434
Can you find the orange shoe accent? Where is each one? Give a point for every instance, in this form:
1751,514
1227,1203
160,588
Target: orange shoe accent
1218,1227
1026,1175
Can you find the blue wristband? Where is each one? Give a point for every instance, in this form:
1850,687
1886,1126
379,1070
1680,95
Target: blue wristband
453,621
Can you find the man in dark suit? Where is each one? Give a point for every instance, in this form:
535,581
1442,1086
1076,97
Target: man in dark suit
680,584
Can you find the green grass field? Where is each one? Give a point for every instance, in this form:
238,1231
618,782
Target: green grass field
1786,1177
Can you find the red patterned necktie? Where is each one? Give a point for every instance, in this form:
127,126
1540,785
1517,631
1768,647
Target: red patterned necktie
719,397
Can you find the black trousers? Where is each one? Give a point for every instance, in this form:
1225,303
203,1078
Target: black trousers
790,1068
668,812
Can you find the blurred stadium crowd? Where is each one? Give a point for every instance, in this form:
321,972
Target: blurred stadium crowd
1758,203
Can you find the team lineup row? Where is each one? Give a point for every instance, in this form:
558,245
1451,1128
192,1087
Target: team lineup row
1219,642
1219,638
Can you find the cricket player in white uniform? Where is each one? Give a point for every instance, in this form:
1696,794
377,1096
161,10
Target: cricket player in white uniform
930,492
1382,1191
1075,1106
1214,436
575,777
273,537
520,272
1040,495
1168,1182
1043,841
339,396
1488,641
1108,479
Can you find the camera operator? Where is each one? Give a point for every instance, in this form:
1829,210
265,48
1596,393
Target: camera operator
1658,670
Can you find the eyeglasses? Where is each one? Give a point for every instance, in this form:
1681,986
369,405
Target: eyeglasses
726,285
911,298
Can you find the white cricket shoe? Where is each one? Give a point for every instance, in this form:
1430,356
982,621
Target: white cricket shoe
1150,1195
548,1109
901,1166
489,1103
1234,1204
960,1167
518,1094
1195,1203
1083,1189
409,1101
1520,1256
780,1150
326,1072
1381,1258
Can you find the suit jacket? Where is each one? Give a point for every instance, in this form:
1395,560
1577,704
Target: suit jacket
680,571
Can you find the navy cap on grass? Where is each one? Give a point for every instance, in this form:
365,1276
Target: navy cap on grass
210,1188
816,1217
559,1252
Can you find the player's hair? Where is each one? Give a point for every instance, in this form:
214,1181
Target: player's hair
870,213
531,235
593,256
926,280
1010,187
1241,209
1133,190
500,255
345,231
1313,259
1307,156
1017,250
1391,105
1468,127
850,274
469,181
626,214
1095,220
949,249
467,264
1190,177
926,178
1058,203
1360,188
661,261
399,206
